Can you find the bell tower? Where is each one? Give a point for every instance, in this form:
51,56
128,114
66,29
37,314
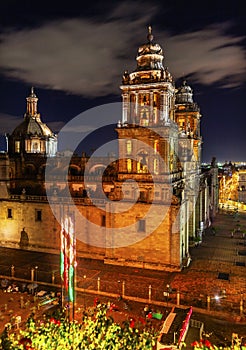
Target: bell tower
147,132
148,92
187,117
149,173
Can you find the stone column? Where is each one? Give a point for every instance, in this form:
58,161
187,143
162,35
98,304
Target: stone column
151,108
162,106
165,106
125,108
136,116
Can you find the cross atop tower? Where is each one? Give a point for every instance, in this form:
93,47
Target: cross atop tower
150,36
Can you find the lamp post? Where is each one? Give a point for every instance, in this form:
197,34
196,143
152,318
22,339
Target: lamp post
12,271
32,274
36,274
174,337
84,290
167,292
208,302
36,278
241,305
53,277
119,291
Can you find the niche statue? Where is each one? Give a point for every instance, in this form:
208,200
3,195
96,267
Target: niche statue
24,240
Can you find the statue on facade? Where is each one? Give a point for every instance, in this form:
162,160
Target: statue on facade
125,77
24,239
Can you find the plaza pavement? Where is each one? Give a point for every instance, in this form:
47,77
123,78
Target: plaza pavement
218,267
217,271
219,253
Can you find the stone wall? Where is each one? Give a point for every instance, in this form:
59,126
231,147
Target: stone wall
29,220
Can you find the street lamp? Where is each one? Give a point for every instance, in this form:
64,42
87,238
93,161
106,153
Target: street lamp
119,291
174,337
36,278
84,289
12,271
167,292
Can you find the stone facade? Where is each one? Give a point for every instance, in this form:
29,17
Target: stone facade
143,207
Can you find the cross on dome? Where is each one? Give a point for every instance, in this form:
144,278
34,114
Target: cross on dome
150,36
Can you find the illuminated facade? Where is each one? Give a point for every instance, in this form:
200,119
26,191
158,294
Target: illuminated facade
159,148
242,186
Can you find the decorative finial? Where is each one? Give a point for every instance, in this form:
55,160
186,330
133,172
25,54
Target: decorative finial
150,35
32,92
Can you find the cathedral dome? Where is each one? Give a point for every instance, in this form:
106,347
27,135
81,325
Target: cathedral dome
32,135
32,124
184,93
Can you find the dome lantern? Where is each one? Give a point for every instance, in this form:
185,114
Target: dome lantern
184,93
32,101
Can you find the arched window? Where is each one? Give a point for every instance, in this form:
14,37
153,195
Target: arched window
144,117
17,146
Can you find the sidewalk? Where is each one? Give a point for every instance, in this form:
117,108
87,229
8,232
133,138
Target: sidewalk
218,268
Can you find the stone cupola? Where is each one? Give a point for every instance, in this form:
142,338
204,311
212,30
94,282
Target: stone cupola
32,135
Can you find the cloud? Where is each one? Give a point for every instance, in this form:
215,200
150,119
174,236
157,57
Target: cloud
9,122
210,55
80,56
55,126
87,57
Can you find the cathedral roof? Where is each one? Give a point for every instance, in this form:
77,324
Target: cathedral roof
184,93
150,47
149,68
150,54
32,126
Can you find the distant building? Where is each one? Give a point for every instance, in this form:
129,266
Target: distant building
242,185
159,148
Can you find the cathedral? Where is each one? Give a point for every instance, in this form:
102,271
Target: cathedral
144,207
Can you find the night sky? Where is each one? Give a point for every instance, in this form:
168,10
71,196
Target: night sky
74,55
